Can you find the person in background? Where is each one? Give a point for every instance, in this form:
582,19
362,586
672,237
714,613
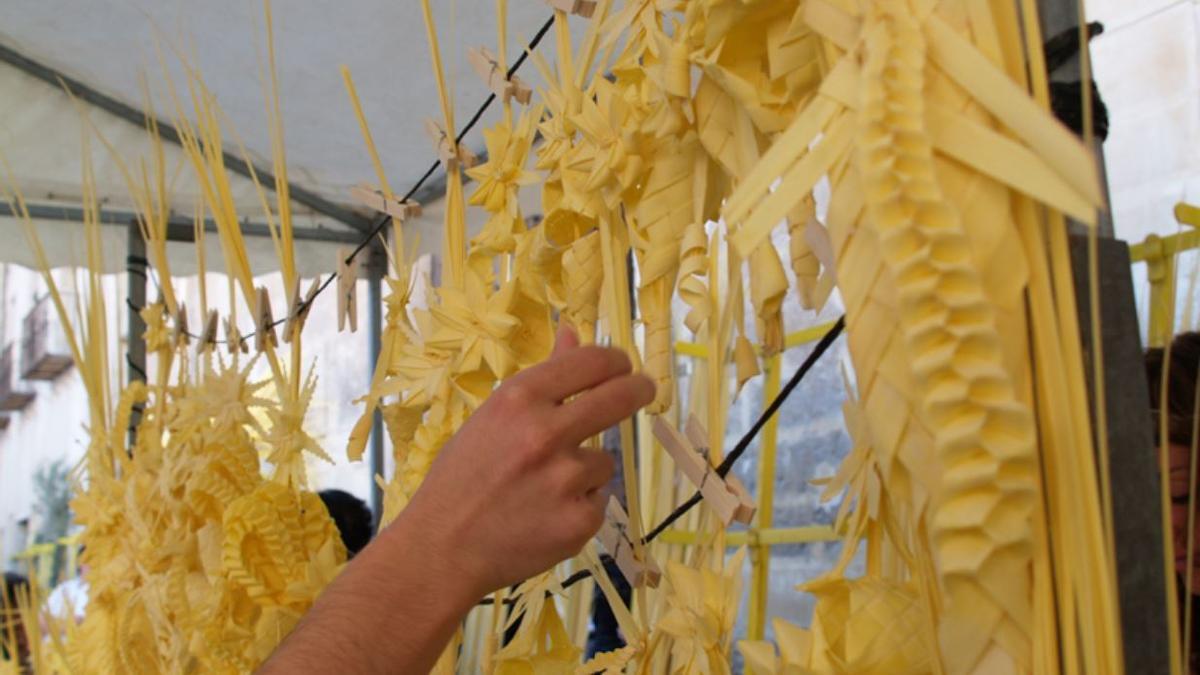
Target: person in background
70,598
1181,380
12,629
605,634
352,517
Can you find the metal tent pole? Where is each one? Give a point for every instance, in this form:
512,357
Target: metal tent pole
179,228
376,266
136,266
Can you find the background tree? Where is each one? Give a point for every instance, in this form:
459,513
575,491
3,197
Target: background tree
52,486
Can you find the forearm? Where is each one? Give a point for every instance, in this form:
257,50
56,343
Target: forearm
392,610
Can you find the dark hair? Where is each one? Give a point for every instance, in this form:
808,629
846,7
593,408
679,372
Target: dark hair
352,517
1181,386
13,585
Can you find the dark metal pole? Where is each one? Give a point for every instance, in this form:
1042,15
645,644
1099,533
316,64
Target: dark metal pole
178,228
135,352
376,266
1137,524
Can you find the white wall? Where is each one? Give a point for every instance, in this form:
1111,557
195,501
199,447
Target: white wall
1147,67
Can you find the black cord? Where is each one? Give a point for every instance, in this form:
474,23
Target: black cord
740,448
726,465
382,221
138,369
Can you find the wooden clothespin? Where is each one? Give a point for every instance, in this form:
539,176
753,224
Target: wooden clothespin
347,282
375,200
264,323
727,497
208,336
493,76
451,154
233,338
179,333
584,8
614,537
298,310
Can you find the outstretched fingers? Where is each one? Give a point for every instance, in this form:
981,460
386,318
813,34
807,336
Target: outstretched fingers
603,406
565,340
572,371
588,470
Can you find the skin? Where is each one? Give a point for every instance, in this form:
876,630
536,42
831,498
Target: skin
1178,457
510,495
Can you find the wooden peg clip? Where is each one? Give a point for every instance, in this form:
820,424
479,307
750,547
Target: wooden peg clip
264,323
179,333
233,338
727,497
208,336
347,282
452,155
584,8
696,434
614,537
375,200
298,310
493,76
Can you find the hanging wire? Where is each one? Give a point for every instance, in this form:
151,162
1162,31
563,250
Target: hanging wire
382,221
723,469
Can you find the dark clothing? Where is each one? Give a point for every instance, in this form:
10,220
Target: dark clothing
605,635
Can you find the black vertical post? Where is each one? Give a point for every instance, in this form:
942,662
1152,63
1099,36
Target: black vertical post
136,266
1137,519
376,266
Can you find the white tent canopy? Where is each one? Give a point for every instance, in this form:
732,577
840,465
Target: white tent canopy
104,47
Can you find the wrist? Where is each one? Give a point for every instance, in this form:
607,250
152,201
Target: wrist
437,562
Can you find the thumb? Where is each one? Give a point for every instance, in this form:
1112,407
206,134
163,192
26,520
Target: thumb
565,340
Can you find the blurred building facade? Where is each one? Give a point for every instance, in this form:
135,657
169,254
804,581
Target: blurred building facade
46,416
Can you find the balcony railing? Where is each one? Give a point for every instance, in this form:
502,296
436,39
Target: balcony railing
14,393
44,351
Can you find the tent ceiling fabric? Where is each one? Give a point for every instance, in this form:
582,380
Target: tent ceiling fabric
41,136
107,43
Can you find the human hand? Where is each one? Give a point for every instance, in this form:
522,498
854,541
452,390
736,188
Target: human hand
513,493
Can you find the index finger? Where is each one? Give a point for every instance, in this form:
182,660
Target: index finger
565,340
604,406
574,371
